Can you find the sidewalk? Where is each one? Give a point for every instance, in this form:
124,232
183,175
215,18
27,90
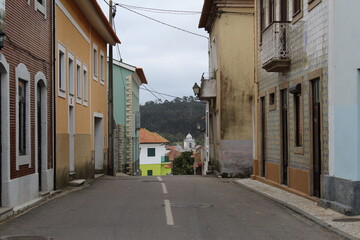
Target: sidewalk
345,226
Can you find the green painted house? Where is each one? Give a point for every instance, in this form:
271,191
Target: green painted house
126,85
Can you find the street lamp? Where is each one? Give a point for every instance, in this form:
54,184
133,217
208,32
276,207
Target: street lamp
196,89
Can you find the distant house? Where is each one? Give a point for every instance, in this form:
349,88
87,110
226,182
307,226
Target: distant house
172,152
127,82
153,159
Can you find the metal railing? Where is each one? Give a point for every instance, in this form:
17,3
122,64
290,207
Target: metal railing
275,42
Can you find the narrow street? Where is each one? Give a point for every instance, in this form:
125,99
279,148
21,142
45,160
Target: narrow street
171,207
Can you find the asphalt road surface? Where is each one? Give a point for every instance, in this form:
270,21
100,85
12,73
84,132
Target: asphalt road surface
168,207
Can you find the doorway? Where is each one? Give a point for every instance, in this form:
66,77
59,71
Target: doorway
284,135
263,137
39,132
316,152
71,139
98,143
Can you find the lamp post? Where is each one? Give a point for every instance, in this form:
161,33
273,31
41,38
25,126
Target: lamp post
196,89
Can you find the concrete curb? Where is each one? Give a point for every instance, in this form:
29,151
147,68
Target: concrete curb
301,212
28,206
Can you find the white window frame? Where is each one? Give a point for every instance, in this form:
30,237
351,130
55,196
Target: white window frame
95,62
86,85
21,72
102,68
79,84
62,62
40,7
71,73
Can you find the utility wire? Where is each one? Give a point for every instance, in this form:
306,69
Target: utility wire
158,10
163,23
157,92
164,94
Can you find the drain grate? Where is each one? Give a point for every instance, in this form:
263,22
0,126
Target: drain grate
346,220
191,205
26,238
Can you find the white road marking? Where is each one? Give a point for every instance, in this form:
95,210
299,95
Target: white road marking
168,213
160,179
164,188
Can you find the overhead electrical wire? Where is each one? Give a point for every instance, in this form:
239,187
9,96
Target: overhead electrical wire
158,10
128,7
163,23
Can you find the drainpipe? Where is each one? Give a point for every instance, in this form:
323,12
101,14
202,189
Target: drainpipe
111,168
53,95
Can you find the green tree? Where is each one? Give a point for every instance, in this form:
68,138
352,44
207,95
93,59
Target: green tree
183,165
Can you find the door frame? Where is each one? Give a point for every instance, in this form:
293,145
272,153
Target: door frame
101,117
71,153
5,128
284,88
317,74
41,79
263,136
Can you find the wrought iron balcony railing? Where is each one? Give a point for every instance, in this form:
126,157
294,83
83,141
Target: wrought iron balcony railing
275,54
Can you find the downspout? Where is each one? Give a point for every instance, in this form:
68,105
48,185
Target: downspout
53,96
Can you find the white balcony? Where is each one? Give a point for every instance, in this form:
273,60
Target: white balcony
208,87
275,54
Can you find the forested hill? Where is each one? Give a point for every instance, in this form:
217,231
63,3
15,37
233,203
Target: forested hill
174,120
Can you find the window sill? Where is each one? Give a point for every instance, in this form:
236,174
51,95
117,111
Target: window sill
40,8
79,101
299,150
62,93
313,4
95,78
85,103
297,17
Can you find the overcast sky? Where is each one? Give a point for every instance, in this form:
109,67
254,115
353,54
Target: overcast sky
171,59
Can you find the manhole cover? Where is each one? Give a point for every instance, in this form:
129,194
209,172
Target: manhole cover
25,238
346,220
191,205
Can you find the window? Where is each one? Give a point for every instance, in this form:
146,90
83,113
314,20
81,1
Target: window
297,10
40,5
102,68
86,85
23,127
61,71
149,172
71,73
95,62
22,116
312,4
299,123
272,99
271,11
262,16
151,152
78,82
283,10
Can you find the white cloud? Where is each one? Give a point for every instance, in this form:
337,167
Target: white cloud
172,60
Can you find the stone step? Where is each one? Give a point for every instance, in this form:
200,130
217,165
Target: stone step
77,182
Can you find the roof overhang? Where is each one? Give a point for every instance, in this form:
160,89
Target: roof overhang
93,13
141,75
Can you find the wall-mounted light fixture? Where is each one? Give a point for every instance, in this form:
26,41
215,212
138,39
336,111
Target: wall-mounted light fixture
196,89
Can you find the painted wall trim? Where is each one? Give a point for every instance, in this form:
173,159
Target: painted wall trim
72,20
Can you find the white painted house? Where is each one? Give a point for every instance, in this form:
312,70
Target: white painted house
153,159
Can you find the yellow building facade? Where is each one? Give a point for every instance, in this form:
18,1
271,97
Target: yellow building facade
229,86
82,33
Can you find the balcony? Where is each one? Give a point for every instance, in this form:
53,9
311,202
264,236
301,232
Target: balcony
208,87
275,54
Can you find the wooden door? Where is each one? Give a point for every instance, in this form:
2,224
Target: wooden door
284,135
316,124
263,137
